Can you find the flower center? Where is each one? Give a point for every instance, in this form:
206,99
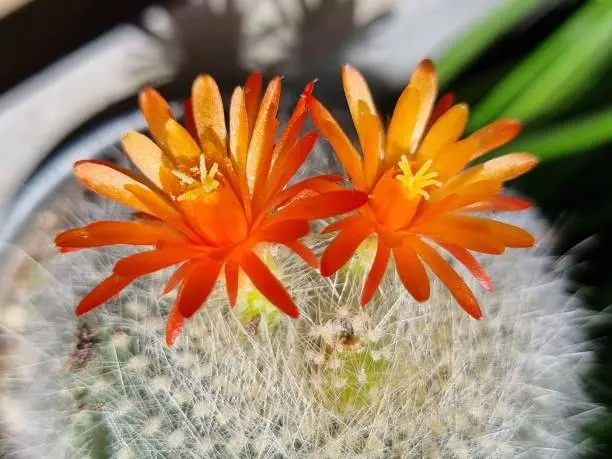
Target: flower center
197,188
416,183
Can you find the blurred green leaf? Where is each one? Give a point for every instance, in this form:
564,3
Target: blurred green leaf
570,61
456,58
564,139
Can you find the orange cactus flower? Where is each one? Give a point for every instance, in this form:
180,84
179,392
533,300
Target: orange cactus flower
419,188
207,197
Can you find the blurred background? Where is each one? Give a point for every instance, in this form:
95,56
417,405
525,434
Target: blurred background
71,70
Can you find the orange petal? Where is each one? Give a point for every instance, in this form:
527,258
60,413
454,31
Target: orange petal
208,111
239,130
340,143
411,271
103,292
444,132
285,167
181,144
283,231
494,136
143,263
449,277
365,118
156,112
499,203
505,167
302,251
145,154
292,129
469,261
377,271
372,141
469,232
104,233
267,284
161,209
177,277
324,205
342,248
188,116
259,155
175,325
463,196
197,285
445,102
314,185
512,236
425,81
231,280
401,126
252,94
344,223
110,181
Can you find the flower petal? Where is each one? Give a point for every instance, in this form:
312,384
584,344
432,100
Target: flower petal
259,156
462,197
177,277
103,292
145,154
457,287
208,111
292,129
148,262
444,103
267,284
494,136
512,236
401,126
303,252
344,223
156,112
340,143
197,285
239,129
313,185
324,205
506,167
444,132
499,203
376,274
469,261
425,81
411,271
286,167
110,181
181,144
232,272
104,233
252,94
283,231
343,246
174,325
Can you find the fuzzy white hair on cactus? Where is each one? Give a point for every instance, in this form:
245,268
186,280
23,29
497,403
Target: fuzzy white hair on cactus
397,379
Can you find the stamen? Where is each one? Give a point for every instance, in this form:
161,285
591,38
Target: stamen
416,183
206,185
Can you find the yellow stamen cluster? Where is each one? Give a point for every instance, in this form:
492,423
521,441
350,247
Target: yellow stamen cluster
416,183
206,185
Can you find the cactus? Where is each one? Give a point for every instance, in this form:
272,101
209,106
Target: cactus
396,379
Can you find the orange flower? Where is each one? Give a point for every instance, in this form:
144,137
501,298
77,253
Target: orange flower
207,199
418,188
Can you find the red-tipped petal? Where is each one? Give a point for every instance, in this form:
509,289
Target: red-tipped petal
231,280
283,231
103,292
175,325
267,284
411,271
469,261
458,288
303,252
177,277
377,271
323,205
197,285
342,248
143,263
